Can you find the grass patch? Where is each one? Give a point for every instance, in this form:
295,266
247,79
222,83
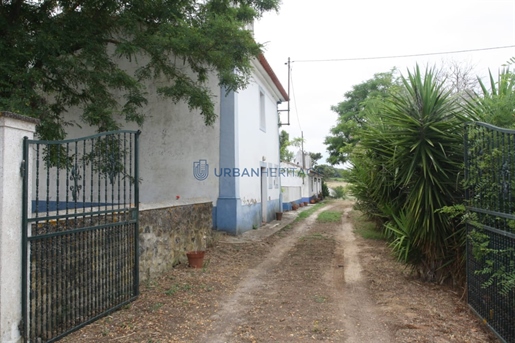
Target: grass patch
320,299
329,216
177,288
156,307
365,228
310,211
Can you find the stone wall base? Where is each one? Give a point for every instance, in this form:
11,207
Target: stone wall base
166,234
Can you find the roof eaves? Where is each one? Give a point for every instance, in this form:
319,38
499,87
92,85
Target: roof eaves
272,76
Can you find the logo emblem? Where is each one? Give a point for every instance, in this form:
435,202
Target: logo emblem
201,170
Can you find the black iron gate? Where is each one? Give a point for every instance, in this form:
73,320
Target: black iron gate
80,231
490,194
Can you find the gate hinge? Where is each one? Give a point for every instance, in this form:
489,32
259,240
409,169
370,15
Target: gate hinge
22,168
134,213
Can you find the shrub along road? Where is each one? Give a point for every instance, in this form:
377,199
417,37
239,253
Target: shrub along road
314,279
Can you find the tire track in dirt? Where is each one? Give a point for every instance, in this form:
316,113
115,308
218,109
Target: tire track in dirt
362,320
308,287
232,313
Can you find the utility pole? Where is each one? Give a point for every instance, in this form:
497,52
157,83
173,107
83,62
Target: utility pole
302,149
288,109
302,152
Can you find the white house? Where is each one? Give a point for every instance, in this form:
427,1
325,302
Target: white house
294,183
299,181
249,186
234,163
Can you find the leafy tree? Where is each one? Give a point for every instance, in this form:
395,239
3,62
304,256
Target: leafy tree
284,142
62,54
327,171
315,156
352,114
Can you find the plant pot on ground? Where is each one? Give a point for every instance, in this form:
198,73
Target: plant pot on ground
278,215
196,258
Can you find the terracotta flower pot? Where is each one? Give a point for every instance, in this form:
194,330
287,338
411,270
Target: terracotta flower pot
196,258
305,203
278,215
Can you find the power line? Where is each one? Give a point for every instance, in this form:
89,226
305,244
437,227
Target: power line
403,56
295,100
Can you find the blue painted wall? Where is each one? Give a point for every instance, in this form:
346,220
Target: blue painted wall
287,206
228,203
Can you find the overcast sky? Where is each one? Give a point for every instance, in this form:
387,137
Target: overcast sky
342,29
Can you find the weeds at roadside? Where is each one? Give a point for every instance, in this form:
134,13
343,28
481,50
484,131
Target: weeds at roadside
365,228
329,216
285,229
316,328
150,283
205,265
156,307
320,299
308,212
177,288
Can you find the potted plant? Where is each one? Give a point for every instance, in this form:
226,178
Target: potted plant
196,257
294,206
278,215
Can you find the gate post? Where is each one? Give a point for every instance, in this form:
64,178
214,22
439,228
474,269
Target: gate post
13,128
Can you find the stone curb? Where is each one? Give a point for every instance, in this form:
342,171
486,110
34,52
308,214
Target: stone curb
266,230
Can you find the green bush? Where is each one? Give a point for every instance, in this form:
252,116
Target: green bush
325,189
340,192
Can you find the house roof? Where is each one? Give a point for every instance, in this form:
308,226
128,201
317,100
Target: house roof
273,77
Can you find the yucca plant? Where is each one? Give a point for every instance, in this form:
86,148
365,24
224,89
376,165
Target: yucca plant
418,146
371,179
496,104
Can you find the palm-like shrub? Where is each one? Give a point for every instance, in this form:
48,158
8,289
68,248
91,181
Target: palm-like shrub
496,104
414,153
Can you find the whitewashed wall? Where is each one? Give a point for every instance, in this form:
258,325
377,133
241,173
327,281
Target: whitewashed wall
258,147
172,138
293,185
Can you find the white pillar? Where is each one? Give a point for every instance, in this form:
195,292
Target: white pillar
13,128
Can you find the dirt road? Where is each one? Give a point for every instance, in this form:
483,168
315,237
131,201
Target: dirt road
298,292
310,281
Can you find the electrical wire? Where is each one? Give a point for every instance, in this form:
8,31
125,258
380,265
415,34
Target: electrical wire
294,99
403,56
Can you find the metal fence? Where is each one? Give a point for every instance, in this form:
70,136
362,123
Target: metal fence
490,187
80,231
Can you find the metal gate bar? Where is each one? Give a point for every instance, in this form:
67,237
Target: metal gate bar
80,238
